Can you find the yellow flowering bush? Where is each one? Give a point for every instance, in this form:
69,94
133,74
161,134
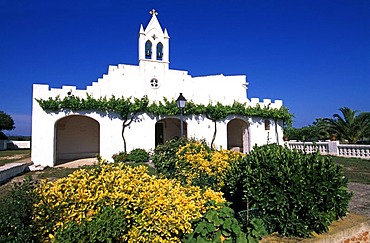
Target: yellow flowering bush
156,210
198,165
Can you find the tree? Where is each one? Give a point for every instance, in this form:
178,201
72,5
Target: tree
367,133
6,123
349,126
311,133
128,111
215,113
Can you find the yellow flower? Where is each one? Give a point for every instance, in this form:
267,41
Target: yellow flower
155,209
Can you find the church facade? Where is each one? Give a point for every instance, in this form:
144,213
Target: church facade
66,135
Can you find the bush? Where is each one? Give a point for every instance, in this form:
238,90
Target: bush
295,193
217,225
165,158
16,210
155,209
109,225
120,157
199,165
136,155
194,163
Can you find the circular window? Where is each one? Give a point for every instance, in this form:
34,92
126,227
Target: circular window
154,83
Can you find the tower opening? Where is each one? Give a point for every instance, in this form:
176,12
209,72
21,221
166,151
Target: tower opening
148,50
159,51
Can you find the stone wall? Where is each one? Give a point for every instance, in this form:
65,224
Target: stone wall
352,228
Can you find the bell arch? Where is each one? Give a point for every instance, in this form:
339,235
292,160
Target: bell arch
76,137
148,49
167,129
238,135
159,51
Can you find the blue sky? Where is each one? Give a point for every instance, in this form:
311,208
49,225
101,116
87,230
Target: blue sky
312,54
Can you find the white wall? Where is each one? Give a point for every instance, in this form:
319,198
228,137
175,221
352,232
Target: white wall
19,144
135,81
140,134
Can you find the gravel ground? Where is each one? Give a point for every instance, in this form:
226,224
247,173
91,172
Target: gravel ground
360,202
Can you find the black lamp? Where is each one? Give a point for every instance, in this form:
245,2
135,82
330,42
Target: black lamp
181,102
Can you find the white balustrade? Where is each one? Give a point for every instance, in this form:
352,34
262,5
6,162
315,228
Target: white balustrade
332,148
354,150
310,147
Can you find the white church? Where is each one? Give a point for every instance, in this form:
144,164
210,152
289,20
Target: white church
67,135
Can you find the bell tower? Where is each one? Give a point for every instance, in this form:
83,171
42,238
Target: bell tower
153,42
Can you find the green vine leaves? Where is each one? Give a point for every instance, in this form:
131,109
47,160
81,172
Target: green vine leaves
130,106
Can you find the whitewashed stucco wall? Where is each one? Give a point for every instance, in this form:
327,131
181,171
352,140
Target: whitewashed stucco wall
137,81
140,134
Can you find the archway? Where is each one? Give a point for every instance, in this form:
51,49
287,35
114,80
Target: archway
77,137
238,136
167,129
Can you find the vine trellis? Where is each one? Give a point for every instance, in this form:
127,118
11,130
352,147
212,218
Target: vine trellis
128,108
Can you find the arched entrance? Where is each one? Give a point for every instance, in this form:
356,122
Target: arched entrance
167,129
238,136
77,137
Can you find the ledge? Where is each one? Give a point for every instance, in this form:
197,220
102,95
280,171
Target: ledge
352,228
10,170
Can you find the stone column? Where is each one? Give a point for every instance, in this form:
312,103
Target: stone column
333,148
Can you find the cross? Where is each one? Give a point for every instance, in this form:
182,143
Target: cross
153,12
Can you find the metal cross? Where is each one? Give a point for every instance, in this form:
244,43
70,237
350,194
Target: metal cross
153,12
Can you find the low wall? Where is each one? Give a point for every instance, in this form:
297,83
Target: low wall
12,144
353,228
332,148
10,170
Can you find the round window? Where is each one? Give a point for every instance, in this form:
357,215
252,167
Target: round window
154,83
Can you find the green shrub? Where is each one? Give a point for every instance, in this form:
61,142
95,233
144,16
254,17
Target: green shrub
255,230
16,210
165,158
295,193
252,225
120,157
218,224
138,155
109,225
